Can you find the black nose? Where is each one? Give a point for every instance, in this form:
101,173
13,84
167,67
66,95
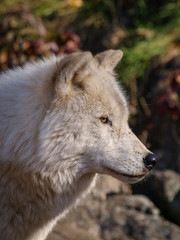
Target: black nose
150,161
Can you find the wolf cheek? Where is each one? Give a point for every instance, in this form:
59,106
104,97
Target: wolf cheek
123,157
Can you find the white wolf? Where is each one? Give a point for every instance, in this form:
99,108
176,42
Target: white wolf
62,120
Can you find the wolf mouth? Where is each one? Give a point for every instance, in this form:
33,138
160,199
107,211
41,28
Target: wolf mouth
130,176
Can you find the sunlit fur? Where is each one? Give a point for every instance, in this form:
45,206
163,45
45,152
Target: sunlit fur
52,141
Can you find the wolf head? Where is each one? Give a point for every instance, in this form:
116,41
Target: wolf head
86,126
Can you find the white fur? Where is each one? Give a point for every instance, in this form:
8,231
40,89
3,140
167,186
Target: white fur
52,141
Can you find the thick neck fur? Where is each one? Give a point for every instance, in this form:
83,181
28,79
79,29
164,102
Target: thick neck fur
43,200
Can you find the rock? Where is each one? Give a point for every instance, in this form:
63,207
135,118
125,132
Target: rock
65,232
163,187
107,185
135,217
111,212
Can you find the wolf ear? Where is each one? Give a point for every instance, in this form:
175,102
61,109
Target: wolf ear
109,59
67,69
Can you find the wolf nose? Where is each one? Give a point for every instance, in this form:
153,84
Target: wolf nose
150,161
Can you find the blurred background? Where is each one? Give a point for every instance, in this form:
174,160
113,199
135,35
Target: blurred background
148,32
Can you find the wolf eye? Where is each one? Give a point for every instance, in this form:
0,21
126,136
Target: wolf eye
106,120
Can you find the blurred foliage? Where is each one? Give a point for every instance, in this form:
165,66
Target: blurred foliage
44,8
29,30
151,38
148,28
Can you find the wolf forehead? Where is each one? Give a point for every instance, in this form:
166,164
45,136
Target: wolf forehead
81,73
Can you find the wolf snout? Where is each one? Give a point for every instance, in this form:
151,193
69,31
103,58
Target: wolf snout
150,161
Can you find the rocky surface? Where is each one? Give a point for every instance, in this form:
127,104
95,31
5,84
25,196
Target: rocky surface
163,188
112,212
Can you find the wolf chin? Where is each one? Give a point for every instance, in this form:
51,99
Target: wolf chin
62,121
